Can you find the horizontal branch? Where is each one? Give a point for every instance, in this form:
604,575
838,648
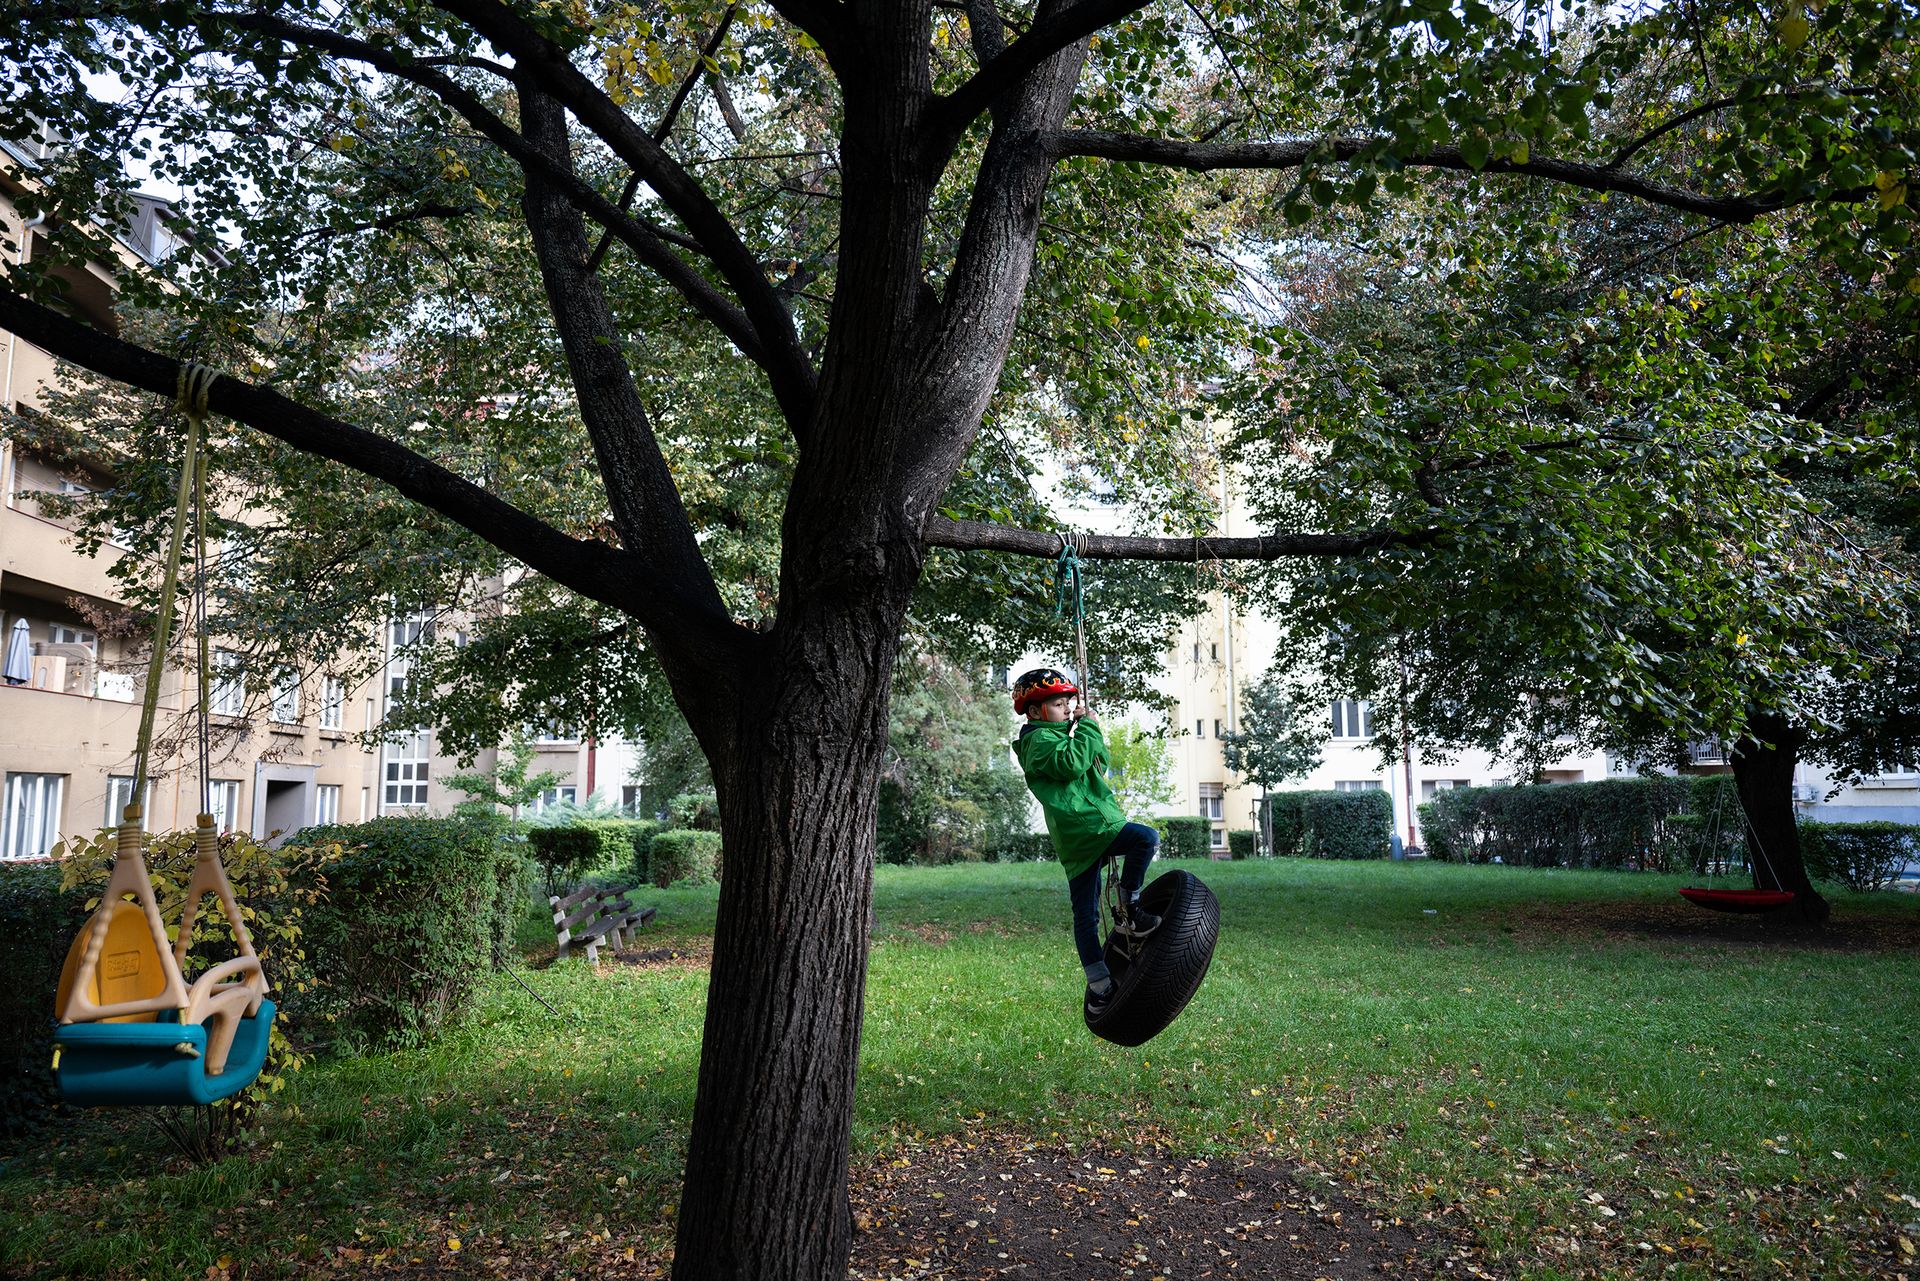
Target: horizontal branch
1175,154
615,577
975,535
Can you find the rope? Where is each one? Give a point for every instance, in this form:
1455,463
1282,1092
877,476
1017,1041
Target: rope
1070,597
195,381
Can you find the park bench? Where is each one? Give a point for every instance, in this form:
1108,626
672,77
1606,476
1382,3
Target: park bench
593,917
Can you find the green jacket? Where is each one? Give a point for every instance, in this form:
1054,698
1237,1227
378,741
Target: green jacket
1067,773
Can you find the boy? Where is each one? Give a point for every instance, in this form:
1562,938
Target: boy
1064,756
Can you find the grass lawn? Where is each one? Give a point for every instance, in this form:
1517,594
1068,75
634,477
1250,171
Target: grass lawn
1573,1074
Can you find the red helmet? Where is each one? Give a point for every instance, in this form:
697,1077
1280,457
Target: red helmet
1039,685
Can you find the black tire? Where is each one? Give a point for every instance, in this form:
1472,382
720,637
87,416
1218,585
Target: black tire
1157,984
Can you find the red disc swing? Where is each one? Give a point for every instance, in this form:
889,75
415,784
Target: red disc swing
1741,902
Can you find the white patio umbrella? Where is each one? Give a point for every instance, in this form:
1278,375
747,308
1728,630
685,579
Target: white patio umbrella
19,665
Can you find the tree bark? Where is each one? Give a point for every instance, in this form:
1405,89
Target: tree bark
1763,763
798,779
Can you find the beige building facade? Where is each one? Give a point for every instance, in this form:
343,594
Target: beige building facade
283,757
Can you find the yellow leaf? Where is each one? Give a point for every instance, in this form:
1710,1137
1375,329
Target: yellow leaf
453,1244
1794,29
1143,342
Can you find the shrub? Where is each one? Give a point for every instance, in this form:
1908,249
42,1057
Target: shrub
411,924
1632,823
1187,837
568,855
1333,824
514,875
1027,847
699,811
1349,825
1861,856
37,922
690,856
1286,824
1240,842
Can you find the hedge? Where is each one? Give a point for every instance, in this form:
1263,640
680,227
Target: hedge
681,855
1632,823
1240,842
418,910
1345,825
37,922
1188,837
571,853
1028,847
1861,856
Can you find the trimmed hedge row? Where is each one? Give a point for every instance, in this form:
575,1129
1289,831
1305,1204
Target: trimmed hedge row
37,921
1240,842
1186,836
1320,824
417,911
1663,824
1861,856
571,853
683,855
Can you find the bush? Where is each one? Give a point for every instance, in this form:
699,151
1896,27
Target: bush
37,922
699,811
1330,824
412,922
690,856
1240,842
514,875
1187,837
1861,856
1630,823
1347,824
1027,847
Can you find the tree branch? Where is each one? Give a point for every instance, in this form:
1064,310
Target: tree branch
1291,155
974,535
620,579
665,127
646,504
953,112
650,248
543,65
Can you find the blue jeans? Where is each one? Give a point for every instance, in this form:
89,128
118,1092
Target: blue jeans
1135,845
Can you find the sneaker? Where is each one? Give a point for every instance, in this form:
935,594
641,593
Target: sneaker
1097,1002
1137,922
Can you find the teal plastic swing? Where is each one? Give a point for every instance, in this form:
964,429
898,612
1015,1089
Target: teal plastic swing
131,1030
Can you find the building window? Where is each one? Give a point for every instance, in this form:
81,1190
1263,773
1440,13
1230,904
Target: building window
1352,718
286,697
405,772
1196,651
1199,729
551,797
119,792
372,719
228,696
225,795
326,803
32,814
1216,651
366,803
1212,801
1219,728
1431,787
333,700
61,634
552,732
1359,785
630,800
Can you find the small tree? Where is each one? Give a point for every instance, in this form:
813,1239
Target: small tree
1140,770
508,783
1274,742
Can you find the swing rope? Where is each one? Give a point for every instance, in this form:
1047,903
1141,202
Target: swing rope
1070,601
195,381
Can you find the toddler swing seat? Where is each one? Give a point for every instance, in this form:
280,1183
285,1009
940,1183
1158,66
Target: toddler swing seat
132,1030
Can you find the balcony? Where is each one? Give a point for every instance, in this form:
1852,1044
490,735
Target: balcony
37,547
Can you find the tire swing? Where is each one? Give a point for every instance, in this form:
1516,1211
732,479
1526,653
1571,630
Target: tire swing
132,1030
1154,977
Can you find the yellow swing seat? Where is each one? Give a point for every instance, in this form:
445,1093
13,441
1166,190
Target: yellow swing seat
132,1031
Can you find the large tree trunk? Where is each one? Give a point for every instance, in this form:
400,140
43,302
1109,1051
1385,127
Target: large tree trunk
1763,765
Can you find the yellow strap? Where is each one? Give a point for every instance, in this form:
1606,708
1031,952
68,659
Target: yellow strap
195,382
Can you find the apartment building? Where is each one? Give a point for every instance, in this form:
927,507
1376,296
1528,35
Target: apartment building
70,683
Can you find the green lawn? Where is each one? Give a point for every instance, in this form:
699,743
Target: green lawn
1574,1069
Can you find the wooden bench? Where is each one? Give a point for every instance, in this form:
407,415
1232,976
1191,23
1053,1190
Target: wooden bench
595,917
